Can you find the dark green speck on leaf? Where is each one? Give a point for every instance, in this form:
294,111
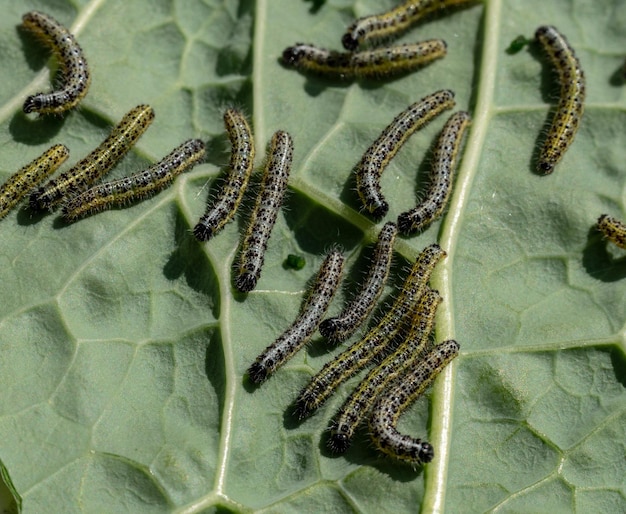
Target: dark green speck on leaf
295,262
517,44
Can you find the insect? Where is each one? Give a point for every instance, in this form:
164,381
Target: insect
358,404
141,185
392,23
378,155
98,163
441,176
613,229
311,313
223,208
349,362
571,98
74,72
393,404
31,175
268,202
378,62
341,327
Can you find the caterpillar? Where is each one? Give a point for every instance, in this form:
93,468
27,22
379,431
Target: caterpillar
348,363
379,62
74,71
378,155
389,408
341,327
358,404
613,229
393,22
141,185
268,202
311,313
31,175
219,212
441,176
571,106
98,163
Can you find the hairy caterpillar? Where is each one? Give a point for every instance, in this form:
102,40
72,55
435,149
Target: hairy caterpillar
31,175
571,98
349,362
441,176
268,202
360,401
613,229
311,313
391,406
223,208
74,72
379,62
341,327
393,22
378,155
138,186
98,163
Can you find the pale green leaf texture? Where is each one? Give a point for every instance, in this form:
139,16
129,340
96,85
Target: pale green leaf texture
123,345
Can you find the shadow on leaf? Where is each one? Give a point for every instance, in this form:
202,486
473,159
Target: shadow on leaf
363,453
598,262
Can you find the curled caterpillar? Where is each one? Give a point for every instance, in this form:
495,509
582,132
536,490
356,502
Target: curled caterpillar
74,72
379,154
393,404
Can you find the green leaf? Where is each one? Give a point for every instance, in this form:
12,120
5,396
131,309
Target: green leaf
123,346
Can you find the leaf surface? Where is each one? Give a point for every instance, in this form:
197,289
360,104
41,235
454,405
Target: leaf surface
123,345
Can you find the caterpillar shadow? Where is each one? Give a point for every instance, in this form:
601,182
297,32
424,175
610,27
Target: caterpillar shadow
599,262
